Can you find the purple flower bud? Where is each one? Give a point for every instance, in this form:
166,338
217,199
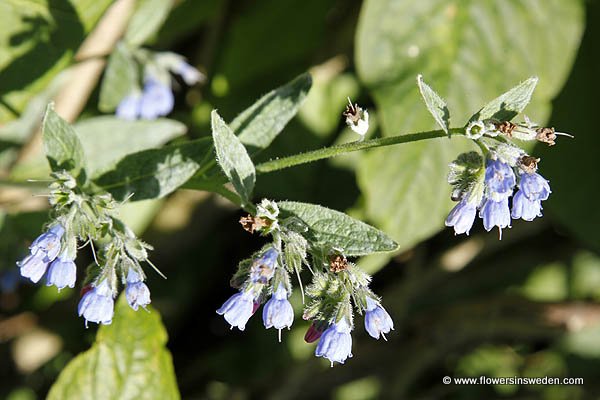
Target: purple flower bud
263,268
495,213
97,305
157,100
129,107
189,74
136,291
314,332
462,217
499,180
278,311
377,320
336,342
237,310
62,272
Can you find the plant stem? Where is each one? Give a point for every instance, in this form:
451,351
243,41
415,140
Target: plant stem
327,152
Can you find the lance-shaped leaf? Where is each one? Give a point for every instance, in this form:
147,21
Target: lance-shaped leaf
259,125
509,104
120,79
129,360
61,144
107,139
155,173
233,158
435,104
333,229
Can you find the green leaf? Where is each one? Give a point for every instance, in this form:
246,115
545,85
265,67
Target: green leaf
38,40
120,78
470,51
435,104
334,229
155,173
509,104
128,360
233,158
260,124
61,144
147,19
108,139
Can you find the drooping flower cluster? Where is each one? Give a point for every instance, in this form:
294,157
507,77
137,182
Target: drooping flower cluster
86,218
156,98
487,183
338,287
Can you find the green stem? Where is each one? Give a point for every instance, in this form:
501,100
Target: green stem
327,152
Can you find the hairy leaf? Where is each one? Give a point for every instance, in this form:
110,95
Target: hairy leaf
330,228
509,104
108,139
129,360
155,173
233,158
435,104
260,124
61,144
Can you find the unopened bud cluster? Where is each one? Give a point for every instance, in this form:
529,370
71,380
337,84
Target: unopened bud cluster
80,217
338,288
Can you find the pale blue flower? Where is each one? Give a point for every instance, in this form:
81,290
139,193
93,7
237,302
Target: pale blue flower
377,321
157,100
97,305
495,213
136,291
237,310
335,343
462,216
278,312
42,251
527,202
189,74
129,107
499,180
62,272
263,268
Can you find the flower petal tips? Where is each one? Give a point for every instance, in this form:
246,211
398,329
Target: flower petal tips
462,217
237,310
62,272
336,342
97,305
377,320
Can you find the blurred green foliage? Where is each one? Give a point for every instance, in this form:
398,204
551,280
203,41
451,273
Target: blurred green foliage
524,306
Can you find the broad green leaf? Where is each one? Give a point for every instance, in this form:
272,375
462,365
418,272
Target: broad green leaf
128,360
155,173
332,228
148,16
509,104
471,51
120,78
233,158
435,104
61,144
38,40
260,124
108,139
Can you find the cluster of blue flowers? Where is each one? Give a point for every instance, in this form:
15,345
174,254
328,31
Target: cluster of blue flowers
156,98
53,253
488,186
265,278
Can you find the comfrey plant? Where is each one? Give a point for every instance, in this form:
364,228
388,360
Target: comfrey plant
500,182
338,288
82,214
